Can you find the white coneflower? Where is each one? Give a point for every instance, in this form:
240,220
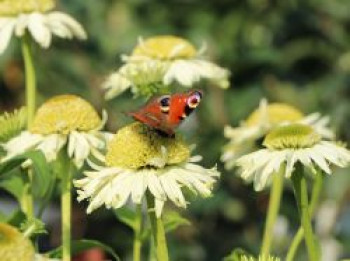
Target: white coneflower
243,138
14,246
62,120
169,59
138,160
35,16
286,146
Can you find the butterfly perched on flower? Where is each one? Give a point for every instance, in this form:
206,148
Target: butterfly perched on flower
164,113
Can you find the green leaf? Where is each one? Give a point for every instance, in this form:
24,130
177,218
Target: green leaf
127,216
172,220
17,218
14,184
41,172
82,245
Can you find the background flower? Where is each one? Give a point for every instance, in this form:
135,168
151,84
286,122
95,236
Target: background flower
163,60
64,120
16,17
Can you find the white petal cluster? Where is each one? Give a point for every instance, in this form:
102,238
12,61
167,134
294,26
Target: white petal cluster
141,70
261,165
80,145
244,137
112,186
41,27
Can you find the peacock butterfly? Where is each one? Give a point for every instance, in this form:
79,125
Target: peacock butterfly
164,113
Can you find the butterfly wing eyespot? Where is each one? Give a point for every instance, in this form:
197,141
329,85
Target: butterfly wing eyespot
194,99
164,103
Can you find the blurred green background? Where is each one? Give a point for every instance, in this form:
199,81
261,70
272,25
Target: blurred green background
293,51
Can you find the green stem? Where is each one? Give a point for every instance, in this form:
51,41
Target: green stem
300,234
30,82
157,231
137,237
300,191
30,79
274,204
66,209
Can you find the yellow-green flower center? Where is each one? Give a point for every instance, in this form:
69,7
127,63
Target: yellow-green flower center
165,47
276,113
16,7
292,136
63,114
13,245
137,146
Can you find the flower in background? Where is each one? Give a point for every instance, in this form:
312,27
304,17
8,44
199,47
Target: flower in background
14,245
286,146
65,120
12,124
167,59
35,16
138,160
243,139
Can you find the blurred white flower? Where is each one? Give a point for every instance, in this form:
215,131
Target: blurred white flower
140,160
64,120
34,16
243,138
286,146
163,60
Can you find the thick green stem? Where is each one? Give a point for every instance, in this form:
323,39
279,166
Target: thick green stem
158,231
300,234
274,204
300,191
66,209
30,80
137,235
30,83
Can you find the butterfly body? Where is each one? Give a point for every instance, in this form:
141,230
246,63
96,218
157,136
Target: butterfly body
165,113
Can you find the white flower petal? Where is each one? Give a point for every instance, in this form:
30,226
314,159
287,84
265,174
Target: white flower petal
39,30
61,20
6,31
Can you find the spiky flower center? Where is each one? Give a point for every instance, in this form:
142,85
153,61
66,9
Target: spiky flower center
276,113
12,124
16,7
13,245
63,114
294,136
165,47
136,146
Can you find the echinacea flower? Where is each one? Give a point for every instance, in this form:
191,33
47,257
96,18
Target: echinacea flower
138,159
167,59
14,246
65,120
35,16
243,139
285,146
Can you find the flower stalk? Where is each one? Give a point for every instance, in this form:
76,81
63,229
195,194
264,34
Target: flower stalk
137,234
30,79
314,199
66,206
300,191
158,231
30,83
274,205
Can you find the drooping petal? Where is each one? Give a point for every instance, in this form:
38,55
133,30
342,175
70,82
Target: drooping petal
39,30
6,31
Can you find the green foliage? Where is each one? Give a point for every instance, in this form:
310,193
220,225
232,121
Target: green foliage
79,246
41,180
